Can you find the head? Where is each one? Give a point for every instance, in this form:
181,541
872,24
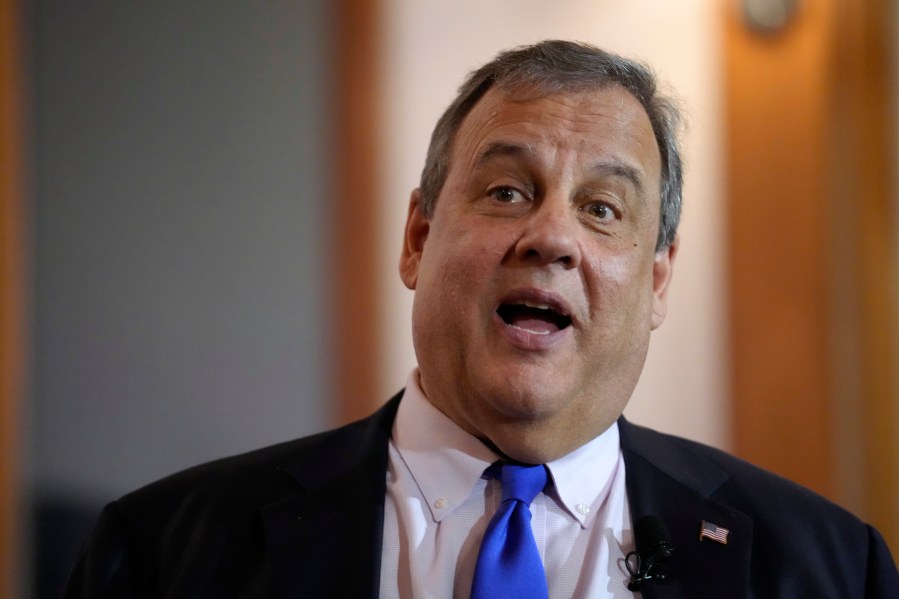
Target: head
536,250
555,66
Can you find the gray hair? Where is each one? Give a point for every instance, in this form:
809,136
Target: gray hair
554,66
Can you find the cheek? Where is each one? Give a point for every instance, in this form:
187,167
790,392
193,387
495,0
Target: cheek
454,270
620,286
464,252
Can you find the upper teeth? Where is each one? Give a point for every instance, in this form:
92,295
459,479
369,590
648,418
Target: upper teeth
535,305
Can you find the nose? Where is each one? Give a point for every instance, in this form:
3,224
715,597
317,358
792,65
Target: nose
550,236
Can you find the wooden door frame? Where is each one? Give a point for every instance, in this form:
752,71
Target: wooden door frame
812,246
354,210
13,275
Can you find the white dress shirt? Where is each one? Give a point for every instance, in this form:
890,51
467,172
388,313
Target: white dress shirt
438,505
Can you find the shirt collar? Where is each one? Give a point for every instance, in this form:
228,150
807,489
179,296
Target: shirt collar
447,462
583,478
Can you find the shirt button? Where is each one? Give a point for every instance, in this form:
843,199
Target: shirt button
440,503
582,508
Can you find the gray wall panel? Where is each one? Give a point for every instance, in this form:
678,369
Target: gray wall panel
181,179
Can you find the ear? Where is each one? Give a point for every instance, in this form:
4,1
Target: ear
662,270
416,234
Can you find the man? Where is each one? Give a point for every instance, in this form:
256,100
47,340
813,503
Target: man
540,247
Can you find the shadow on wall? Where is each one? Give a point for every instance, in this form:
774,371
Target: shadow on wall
60,525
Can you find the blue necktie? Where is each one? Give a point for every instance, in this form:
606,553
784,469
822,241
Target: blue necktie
509,564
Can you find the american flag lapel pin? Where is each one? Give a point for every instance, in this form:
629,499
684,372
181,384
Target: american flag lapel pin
713,532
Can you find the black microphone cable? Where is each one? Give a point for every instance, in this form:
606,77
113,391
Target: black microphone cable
654,548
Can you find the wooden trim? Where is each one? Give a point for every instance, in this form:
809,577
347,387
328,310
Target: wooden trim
777,114
812,252
863,175
354,211
12,292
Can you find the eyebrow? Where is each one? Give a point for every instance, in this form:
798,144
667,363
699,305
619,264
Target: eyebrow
502,149
607,168
623,171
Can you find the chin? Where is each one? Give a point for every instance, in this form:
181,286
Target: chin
526,403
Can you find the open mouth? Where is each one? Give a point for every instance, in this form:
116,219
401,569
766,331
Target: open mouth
540,319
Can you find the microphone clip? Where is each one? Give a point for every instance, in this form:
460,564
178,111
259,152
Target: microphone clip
645,564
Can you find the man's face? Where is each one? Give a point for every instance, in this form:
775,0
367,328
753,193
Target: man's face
536,280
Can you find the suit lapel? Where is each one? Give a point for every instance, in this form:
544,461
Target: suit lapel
678,488
326,539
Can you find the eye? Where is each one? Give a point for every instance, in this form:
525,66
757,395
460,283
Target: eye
506,195
600,211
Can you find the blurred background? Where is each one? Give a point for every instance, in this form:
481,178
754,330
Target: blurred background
202,208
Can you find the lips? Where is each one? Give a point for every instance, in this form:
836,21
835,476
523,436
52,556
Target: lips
535,312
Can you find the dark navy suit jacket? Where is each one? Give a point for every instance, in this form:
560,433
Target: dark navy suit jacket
305,519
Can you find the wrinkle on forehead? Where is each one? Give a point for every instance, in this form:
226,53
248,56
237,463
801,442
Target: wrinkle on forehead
556,117
538,128
602,168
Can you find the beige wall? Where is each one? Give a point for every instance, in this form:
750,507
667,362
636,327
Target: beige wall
431,45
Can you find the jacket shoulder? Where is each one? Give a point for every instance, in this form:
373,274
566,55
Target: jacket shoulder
800,539
251,479
718,474
201,531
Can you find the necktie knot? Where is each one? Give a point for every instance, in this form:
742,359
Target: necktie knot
509,563
522,482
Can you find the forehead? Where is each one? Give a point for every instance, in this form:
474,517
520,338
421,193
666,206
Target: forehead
605,125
